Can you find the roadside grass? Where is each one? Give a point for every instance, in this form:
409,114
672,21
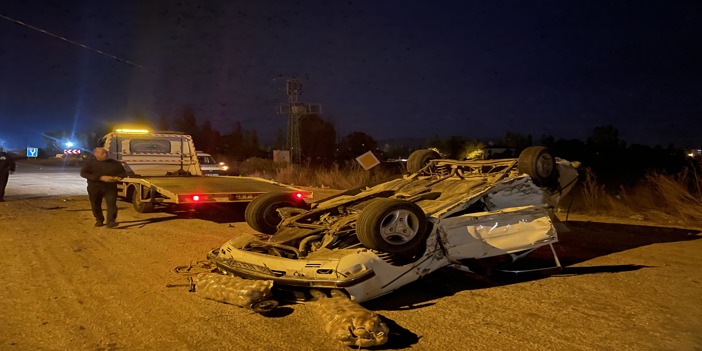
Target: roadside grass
669,199
338,176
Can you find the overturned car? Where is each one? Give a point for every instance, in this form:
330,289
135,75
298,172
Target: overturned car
370,241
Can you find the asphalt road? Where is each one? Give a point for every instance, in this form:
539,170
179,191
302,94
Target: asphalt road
42,178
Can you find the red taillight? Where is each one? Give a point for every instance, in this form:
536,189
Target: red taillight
196,197
299,195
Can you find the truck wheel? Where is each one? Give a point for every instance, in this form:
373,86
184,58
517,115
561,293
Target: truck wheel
140,205
262,215
392,225
419,158
537,162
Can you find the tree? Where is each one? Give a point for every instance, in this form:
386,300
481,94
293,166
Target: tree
455,147
162,123
279,140
233,143
354,145
186,122
606,156
317,140
605,138
208,139
517,141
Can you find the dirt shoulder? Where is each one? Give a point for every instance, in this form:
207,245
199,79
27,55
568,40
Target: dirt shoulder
69,285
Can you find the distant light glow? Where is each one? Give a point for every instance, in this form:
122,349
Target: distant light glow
69,144
196,197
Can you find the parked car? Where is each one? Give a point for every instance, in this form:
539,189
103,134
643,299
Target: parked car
210,167
370,241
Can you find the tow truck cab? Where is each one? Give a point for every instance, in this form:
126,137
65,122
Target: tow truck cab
147,153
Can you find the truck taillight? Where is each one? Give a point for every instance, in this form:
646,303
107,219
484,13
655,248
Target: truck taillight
196,198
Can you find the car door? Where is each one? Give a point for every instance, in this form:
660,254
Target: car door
486,234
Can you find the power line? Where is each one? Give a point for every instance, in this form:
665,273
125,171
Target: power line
72,42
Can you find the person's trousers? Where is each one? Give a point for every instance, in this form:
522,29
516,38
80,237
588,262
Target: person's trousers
3,183
97,193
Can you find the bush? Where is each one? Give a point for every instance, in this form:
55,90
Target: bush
669,199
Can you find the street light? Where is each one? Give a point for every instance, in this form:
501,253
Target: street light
69,144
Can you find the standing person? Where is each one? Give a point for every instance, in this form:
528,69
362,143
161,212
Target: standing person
102,174
7,167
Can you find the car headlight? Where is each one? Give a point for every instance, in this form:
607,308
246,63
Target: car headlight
225,167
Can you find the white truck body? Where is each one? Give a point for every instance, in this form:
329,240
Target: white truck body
163,169
153,154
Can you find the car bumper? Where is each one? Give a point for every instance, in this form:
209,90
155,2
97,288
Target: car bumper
286,271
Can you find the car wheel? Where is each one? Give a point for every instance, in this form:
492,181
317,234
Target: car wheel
419,158
140,205
537,162
262,213
392,225
264,306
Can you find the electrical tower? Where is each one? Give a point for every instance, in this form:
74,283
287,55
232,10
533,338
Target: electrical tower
295,111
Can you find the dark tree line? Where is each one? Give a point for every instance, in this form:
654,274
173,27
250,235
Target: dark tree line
317,140
612,160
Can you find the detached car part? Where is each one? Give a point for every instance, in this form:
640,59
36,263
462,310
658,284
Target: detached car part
251,294
350,323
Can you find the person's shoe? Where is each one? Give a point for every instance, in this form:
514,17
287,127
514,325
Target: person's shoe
111,224
99,223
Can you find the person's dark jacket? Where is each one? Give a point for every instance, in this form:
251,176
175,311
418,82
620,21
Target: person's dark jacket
94,169
7,162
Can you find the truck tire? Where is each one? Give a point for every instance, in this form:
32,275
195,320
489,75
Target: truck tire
539,164
419,158
392,225
140,205
262,215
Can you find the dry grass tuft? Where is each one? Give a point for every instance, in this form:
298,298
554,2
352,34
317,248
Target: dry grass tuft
665,199
592,193
669,199
260,167
673,198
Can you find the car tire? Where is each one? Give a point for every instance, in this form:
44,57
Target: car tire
392,225
419,158
264,307
261,214
539,164
140,205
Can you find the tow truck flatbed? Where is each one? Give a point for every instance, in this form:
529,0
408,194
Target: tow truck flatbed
163,169
200,189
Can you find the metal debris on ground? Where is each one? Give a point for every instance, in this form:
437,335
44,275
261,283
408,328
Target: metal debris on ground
195,268
351,323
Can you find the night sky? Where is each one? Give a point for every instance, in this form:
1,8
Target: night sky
392,69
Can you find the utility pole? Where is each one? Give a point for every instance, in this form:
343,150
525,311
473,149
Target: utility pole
295,110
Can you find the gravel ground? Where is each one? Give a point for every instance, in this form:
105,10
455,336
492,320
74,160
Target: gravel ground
71,286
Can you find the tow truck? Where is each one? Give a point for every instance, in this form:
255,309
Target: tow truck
163,169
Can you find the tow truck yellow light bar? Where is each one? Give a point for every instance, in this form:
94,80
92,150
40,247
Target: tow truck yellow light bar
132,131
